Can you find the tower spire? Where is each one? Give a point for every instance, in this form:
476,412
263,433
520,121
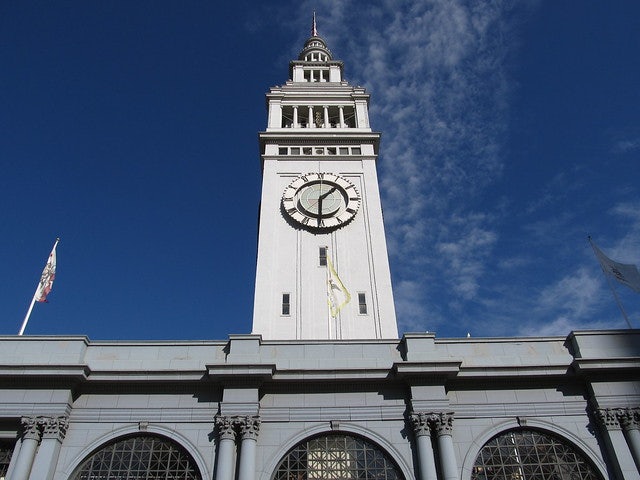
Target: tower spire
314,29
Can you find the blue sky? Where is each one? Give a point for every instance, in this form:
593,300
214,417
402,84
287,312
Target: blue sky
129,130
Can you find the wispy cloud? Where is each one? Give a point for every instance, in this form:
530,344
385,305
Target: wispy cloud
626,145
441,94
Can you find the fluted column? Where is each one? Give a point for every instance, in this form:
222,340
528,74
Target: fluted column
629,419
54,430
620,456
426,460
443,425
226,446
31,435
249,429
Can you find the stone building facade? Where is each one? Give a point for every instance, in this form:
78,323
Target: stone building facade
322,388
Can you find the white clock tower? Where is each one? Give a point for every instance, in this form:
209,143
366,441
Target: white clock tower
322,268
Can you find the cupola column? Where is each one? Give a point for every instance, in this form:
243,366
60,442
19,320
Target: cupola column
310,123
326,117
341,116
295,116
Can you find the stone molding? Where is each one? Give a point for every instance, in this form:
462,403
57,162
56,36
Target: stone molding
619,418
248,426
441,423
40,427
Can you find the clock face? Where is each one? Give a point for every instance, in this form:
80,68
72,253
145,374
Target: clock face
321,201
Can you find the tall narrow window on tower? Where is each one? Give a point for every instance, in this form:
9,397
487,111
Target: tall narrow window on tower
322,257
362,303
286,304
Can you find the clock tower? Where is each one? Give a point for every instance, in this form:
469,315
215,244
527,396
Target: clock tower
322,268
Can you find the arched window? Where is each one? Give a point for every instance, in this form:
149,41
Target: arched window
531,455
139,457
339,457
6,450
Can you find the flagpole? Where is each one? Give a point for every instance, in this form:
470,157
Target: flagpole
33,300
613,291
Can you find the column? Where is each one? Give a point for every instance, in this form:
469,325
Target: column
629,419
426,460
226,446
310,123
617,449
30,438
326,117
54,430
341,108
249,428
295,116
443,425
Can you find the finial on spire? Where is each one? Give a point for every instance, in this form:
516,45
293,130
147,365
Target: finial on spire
314,29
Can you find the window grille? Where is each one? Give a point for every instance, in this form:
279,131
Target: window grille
6,450
137,458
531,455
337,457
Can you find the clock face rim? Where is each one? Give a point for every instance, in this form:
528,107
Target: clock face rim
334,218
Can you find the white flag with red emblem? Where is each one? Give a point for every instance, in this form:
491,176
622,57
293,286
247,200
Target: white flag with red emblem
47,277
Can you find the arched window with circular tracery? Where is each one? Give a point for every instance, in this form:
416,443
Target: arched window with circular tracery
139,457
337,457
525,454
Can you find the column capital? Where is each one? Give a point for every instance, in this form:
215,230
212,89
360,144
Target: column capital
629,418
54,427
226,427
442,422
30,428
249,426
608,418
420,422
